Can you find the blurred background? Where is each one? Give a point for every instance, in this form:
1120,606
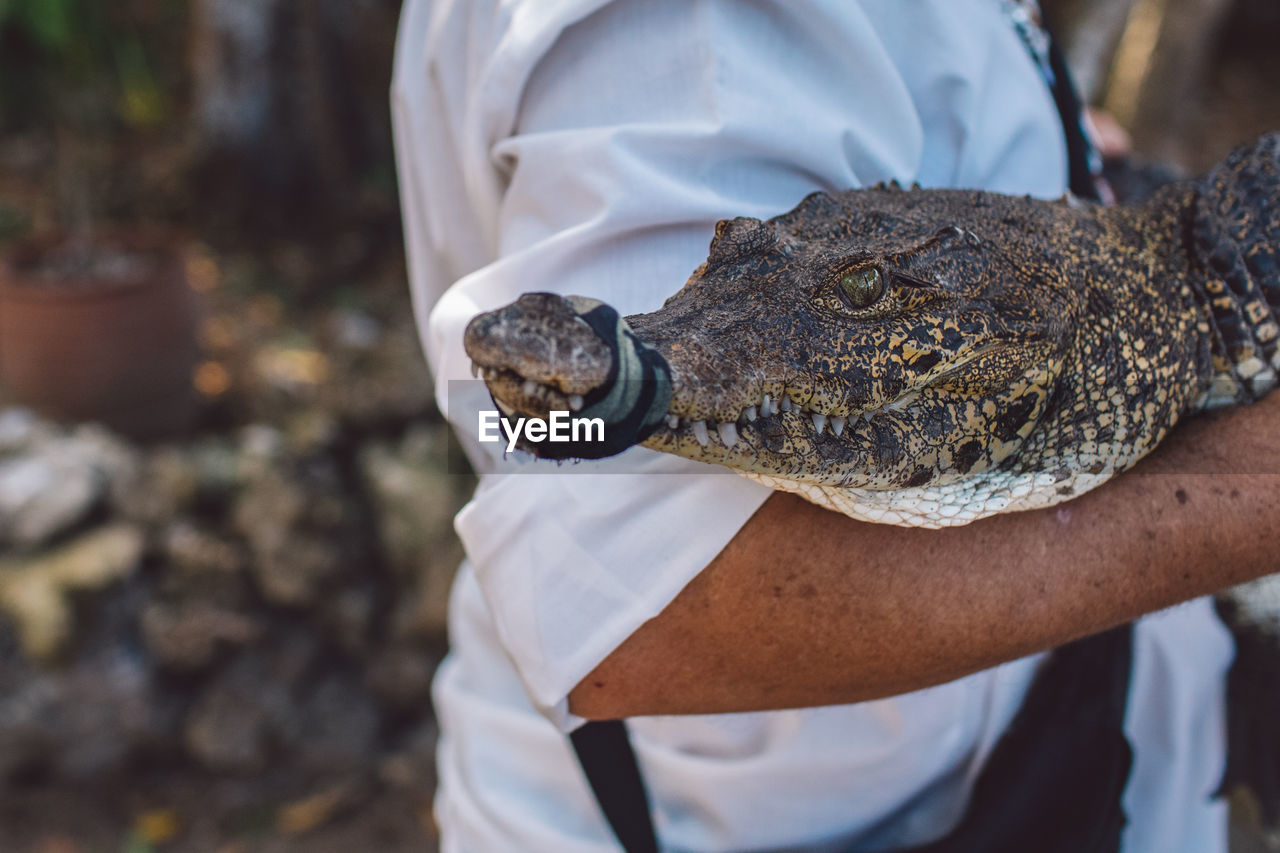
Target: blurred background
225,493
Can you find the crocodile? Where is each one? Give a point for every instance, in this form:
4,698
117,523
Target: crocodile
928,357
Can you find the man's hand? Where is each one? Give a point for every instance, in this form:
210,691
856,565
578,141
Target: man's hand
807,607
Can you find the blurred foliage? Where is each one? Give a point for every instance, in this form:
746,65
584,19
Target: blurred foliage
13,222
85,63
47,21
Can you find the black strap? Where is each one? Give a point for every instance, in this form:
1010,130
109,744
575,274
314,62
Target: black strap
1084,166
1054,782
609,762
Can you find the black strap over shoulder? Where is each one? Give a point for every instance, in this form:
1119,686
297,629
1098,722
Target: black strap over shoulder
1084,167
609,762
1055,780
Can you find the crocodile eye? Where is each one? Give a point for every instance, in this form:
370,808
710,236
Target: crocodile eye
862,286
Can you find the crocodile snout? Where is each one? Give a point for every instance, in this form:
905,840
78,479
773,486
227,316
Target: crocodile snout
540,338
545,353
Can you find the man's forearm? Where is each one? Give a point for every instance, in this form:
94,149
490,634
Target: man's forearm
807,607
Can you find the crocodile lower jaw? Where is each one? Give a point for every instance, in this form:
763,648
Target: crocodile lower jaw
516,394
704,431
951,504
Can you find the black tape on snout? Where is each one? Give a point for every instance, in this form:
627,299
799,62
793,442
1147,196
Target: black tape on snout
632,401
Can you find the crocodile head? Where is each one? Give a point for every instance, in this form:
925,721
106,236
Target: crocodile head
860,340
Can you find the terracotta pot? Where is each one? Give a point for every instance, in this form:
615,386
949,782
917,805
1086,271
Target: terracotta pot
116,346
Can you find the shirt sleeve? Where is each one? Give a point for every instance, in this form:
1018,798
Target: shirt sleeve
593,158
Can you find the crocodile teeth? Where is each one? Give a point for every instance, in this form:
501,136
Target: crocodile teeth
475,370
767,407
530,387
819,422
505,409
575,401
700,432
749,413
673,421
728,434
837,425
908,399
786,404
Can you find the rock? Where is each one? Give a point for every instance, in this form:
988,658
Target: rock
247,715
421,609
289,657
415,499
349,614
291,574
186,636
104,713
77,721
261,442
295,522
413,764
57,479
265,514
219,464
175,478
400,675
327,511
98,447
268,508
311,431
386,383
34,590
178,479
198,564
355,329
339,726
294,371
197,552
237,719
228,730
52,477
166,486
44,494
20,429
201,654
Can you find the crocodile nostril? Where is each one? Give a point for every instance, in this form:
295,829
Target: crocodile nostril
552,303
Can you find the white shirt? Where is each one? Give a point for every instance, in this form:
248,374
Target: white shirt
588,147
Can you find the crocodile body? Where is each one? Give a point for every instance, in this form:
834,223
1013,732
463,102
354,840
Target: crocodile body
1011,352
930,357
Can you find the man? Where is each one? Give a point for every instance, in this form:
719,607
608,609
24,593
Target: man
587,147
